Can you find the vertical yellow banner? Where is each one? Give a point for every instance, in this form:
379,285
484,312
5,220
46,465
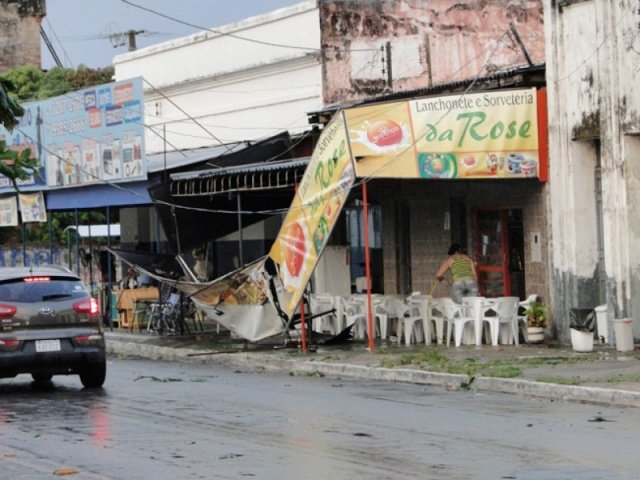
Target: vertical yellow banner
314,211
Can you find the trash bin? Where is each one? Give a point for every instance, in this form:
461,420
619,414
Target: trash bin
623,329
581,341
582,325
601,321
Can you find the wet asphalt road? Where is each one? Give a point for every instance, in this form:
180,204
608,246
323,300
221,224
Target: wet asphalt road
157,420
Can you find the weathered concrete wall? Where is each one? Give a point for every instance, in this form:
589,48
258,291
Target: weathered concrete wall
593,49
435,42
19,35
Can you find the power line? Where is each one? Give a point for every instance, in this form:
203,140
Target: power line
49,45
66,55
121,187
187,114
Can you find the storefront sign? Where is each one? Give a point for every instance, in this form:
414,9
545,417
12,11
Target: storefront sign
32,207
480,135
314,211
83,137
8,212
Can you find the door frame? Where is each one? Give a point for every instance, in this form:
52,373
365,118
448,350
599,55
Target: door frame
504,242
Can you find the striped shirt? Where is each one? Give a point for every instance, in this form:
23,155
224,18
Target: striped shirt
461,269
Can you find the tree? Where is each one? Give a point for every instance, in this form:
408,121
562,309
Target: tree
13,165
28,81
35,84
88,77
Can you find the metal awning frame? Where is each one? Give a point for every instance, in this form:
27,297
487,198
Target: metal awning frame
259,178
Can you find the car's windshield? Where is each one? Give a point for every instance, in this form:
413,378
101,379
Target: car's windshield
38,289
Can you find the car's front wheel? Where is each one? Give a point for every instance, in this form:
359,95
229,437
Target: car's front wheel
41,377
93,375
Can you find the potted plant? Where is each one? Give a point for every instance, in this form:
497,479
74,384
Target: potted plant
537,314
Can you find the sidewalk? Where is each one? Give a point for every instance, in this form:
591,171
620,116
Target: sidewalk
604,376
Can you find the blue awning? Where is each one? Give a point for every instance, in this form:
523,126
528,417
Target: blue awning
99,196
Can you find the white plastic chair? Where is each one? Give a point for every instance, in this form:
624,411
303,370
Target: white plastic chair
522,319
437,317
353,314
320,303
381,315
456,317
424,304
408,319
506,312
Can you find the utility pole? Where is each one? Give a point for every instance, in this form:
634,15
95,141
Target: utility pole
132,38
119,39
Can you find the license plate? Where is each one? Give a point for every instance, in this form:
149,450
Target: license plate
48,345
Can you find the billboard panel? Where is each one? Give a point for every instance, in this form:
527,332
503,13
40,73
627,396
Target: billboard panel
479,135
83,137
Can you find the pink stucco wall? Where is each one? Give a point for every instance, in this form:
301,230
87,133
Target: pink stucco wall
432,42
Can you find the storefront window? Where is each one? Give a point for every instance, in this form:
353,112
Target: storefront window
355,237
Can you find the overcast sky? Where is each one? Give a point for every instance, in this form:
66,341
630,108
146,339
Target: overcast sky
81,31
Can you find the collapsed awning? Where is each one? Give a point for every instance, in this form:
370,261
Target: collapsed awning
157,265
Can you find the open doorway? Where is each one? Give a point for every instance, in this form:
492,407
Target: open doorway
499,251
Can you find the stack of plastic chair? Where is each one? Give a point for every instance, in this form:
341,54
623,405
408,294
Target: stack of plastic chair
522,319
506,312
456,317
409,319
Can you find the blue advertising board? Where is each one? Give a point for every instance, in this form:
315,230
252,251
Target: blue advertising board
84,137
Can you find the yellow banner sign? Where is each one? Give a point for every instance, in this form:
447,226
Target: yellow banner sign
480,135
314,211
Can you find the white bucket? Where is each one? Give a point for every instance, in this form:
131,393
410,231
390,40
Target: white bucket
581,341
603,327
623,329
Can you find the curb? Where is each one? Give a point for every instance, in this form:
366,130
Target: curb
452,382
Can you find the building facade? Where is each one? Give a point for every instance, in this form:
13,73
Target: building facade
381,51
594,142
242,81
